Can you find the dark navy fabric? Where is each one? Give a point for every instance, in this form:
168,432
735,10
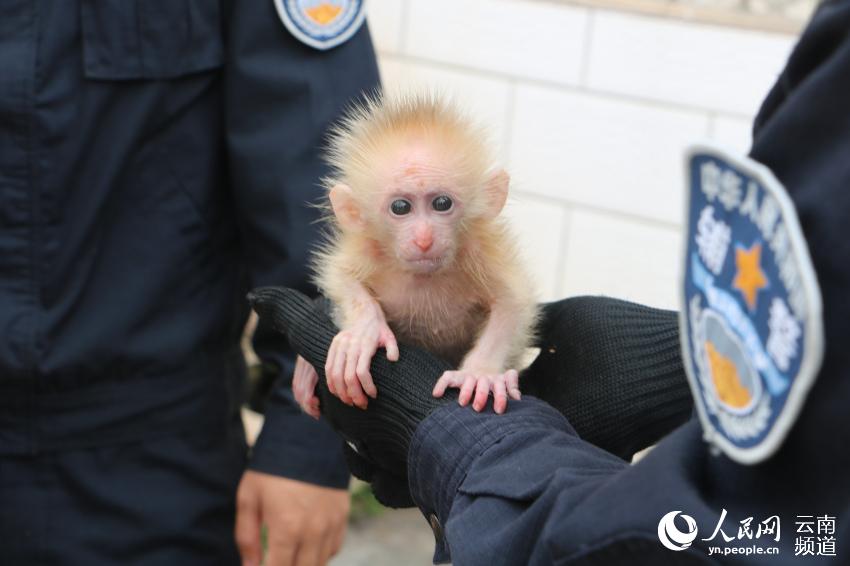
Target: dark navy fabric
160,502
522,488
156,158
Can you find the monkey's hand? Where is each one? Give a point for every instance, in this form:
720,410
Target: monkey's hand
304,381
480,384
351,352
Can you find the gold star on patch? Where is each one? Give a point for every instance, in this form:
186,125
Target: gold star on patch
749,279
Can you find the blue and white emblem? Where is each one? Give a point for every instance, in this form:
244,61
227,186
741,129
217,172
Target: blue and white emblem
322,24
751,318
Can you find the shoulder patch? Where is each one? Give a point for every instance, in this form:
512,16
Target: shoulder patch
751,319
322,24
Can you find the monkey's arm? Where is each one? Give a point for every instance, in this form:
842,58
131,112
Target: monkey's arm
364,330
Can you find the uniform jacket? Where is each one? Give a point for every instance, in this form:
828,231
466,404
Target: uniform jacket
155,162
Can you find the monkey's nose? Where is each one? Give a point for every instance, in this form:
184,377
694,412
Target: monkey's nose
424,244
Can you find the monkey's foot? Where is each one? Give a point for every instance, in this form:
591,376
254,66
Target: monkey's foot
304,381
477,386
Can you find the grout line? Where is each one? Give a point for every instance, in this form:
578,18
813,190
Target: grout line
563,249
584,71
712,125
610,95
405,26
619,214
703,16
510,111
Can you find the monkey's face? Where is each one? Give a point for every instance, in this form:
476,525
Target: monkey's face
422,208
424,228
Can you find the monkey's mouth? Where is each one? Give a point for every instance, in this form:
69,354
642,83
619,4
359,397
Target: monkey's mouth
426,264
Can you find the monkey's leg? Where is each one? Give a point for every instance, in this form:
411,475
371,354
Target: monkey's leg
304,381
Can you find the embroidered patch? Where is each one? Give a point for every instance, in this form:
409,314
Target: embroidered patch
751,319
322,24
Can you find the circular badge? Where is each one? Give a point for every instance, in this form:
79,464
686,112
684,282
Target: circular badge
321,24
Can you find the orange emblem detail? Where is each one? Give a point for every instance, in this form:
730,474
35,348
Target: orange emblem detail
726,379
324,14
749,279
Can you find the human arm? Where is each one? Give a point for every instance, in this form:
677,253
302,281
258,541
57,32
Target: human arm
280,96
628,404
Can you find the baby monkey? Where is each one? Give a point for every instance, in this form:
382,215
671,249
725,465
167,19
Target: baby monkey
418,254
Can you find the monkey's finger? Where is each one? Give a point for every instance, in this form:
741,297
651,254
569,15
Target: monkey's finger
448,379
512,381
329,362
466,390
338,375
352,383
482,391
500,397
311,407
355,392
363,373
391,346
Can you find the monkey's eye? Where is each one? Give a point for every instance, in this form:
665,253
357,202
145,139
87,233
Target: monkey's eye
400,207
441,203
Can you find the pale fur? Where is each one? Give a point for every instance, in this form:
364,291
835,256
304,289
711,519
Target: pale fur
443,312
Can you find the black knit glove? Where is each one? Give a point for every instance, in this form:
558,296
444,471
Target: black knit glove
378,438
614,369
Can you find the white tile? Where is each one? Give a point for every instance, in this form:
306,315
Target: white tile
485,98
603,152
539,224
736,133
621,258
386,18
687,63
527,39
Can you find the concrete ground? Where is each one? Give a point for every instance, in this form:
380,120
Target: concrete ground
393,538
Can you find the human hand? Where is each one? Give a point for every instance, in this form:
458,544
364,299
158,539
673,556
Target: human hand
305,523
613,368
350,354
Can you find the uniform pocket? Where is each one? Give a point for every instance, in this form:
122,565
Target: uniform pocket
150,39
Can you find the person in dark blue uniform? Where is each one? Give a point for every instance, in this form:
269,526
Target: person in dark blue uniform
156,159
761,341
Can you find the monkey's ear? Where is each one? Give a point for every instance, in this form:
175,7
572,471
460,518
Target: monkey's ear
345,207
496,192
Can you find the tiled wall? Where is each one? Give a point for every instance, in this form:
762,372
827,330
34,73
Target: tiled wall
590,109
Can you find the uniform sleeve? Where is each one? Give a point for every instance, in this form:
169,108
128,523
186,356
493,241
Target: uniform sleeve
523,488
281,95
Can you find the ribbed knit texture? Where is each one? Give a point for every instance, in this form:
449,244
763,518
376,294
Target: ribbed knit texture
614,369
382,433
